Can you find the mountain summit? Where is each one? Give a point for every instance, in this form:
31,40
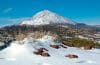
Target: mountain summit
47,17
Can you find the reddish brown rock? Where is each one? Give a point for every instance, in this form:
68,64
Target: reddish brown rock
88,47
45,54
37,53
42,49
72,56
42,52
55,46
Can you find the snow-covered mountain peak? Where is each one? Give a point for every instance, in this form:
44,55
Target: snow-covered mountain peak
47,17
45,12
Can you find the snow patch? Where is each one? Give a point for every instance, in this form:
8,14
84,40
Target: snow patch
22,54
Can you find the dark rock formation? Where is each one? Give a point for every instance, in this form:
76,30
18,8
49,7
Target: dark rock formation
42,52
55,46
71,56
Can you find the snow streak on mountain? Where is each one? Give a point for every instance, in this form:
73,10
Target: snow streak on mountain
47,17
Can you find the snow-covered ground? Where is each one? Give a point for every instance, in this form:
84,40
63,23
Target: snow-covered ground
22,54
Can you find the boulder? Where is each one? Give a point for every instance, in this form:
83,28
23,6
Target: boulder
88,47
42,49
72,56
45,54
55,46
37,53
42,52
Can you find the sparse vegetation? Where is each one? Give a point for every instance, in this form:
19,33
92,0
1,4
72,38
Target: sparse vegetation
77,42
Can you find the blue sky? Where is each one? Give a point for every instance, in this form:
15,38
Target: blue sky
82,11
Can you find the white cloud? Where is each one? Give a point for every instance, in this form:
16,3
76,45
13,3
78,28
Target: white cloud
11,21
7,10
89,20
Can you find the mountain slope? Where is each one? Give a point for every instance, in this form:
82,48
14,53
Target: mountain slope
47,17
